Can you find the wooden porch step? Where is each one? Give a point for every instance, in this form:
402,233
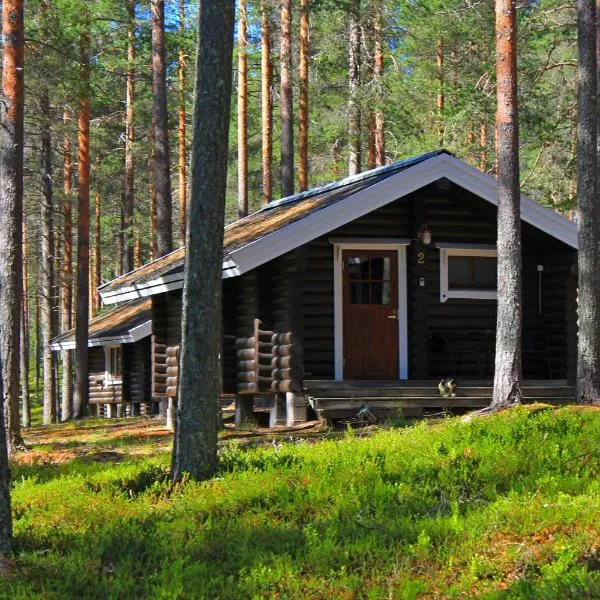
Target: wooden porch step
427,392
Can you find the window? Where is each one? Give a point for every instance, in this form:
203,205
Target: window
369,279
467,272
113,364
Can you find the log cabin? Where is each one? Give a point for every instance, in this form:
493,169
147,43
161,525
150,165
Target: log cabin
118,359
359,296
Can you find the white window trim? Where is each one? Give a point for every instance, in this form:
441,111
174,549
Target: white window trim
108,378
398,245
447,250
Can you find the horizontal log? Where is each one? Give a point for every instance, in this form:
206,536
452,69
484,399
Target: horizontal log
250,377
159,377
159,348
172,371
282,338
172,361
172,381
287,350
159,358
246,354
285,374
252,365
283,387
160,368
286,362
246,388
265,334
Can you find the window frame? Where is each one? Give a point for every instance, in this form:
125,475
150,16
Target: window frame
476,250
109,376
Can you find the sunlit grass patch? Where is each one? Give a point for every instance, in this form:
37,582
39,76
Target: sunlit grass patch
506,506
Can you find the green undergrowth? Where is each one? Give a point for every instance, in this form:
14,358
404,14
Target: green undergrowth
500,507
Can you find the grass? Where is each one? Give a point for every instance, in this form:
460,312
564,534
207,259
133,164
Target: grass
501,507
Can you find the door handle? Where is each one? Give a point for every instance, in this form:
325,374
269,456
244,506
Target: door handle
393,316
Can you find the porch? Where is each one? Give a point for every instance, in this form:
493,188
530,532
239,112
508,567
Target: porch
384,399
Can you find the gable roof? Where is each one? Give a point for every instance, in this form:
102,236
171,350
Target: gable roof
288,223
125,324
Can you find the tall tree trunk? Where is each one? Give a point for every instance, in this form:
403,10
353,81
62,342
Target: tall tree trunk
287,108
128,188
483,162
152,194
242,111
303,125
195,445
371,145
507,377
80,400
588,210
47,261
24,349
440,94
67,271
5,510
378,75
137,255
36,342
266,104
354,117
11,209
97,278
182,127
162,176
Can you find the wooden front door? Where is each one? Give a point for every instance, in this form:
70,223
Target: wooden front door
370,312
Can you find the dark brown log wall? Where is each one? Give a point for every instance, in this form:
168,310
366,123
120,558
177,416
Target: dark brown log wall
166,333
99,394
136,372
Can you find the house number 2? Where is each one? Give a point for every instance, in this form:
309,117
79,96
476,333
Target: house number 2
420,258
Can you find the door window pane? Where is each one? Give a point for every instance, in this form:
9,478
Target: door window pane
359,292
380,292
380,268
358,267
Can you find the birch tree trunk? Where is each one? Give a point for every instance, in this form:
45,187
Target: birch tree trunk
507,377
588,210
80,400
182,128
354,117
162,176
266,104
11,210
195,445
47,262
287,108
303,125
242,112
129,180
67,272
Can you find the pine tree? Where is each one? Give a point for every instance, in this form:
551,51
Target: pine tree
195,446
11,209
354,116
303,124
507,376
242,106
162,176
287,108
588,210
266,104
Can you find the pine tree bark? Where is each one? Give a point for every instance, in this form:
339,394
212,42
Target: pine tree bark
378,75
242,111
80,400
440,94
97,277
266,104
47,261
354,113
507,377
11,209
5,510
129,180
182,129
195,446
162,176
24,347
588,210
303,100
152,194
287,108
67,271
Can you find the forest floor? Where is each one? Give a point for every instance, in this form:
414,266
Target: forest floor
506,506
